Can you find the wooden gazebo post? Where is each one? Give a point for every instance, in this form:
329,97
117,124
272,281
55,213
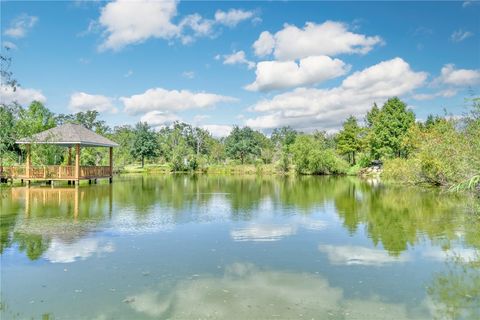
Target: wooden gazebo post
28,164
69,161
77,164
111,163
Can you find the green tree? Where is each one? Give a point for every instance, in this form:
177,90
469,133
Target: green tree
349,139
310,156
7,131
284,136
371,116
242,143
389,128
124,136
5,73
180,157
144,142
88,119
34,119
7,111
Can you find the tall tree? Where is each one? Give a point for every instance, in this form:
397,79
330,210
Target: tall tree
242,143
144,142
7,130
34,119
88,119
389,128
372,115
124,136
284,136
349,139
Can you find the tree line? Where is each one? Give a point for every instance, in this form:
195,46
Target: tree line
438,151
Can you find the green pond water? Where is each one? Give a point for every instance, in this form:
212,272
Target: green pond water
207,247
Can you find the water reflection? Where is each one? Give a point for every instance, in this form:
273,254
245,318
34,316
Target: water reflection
61,252
170,247
246,291
41,219
356,255
273,208
455,293
271,230
262,232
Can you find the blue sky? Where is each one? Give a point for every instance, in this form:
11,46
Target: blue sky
263,64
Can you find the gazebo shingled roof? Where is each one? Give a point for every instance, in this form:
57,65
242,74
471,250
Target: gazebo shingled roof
69,134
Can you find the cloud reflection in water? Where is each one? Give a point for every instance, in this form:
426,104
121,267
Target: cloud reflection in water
245,291
357,255
274,231
60,252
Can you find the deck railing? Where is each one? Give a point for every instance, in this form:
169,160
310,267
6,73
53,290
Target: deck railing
94,171
54,172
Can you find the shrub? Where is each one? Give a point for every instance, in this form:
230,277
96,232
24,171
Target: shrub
364,160
311,157
401,170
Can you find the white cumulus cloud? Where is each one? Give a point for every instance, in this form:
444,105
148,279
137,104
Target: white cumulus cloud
159,99
217,130
264,44
238,58
127,22
201,27
233,17
311,108
458,77
329,38
446,93
81,101
22,96
159,118
271,75
21,25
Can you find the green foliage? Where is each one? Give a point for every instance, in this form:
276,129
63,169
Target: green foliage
35,118
179,161
364,160
326,162
437,152
124,136
349,139
284,162
283,137
7,132
243,143
444,153
401,170
372,115
311,157
144,142
388,129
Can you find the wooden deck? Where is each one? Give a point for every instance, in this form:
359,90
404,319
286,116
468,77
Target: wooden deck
55,172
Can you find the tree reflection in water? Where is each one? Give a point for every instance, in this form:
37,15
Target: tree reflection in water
396,217
60,225
455,293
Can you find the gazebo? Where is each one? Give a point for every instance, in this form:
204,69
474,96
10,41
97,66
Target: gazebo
67,135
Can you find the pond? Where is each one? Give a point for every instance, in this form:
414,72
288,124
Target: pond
190,247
